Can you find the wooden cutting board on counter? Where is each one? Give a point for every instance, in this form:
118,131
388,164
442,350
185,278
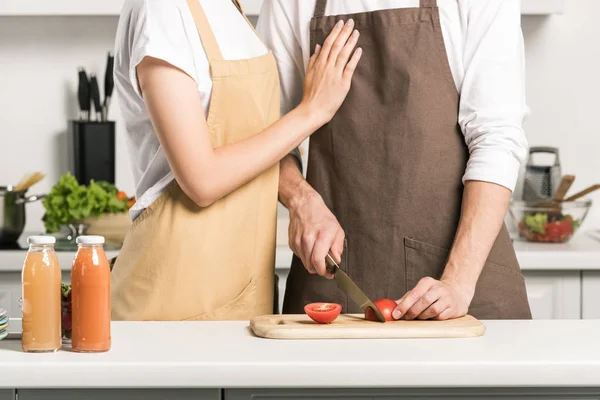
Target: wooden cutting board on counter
354,326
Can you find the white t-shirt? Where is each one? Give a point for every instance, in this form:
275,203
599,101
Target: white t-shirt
165,29
485,48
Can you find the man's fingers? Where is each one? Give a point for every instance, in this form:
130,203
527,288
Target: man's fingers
328,44
412,296
427,299
337,248
321,248
434,309
448,313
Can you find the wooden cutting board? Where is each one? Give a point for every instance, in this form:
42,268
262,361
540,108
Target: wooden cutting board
354,326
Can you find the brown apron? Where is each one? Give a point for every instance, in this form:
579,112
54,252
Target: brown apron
184,262
390,165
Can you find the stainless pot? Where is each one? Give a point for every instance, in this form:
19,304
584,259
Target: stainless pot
12,213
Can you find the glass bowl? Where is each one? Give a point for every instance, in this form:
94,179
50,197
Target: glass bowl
534,222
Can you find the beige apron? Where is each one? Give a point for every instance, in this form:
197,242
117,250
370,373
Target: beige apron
390,166
184,262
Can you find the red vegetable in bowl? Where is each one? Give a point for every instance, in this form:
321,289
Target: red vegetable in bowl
323,313
543,227
386,306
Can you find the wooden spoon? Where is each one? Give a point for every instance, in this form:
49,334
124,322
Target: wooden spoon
561,192
583,193
28,180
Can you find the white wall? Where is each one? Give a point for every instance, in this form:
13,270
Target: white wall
563,89
39,56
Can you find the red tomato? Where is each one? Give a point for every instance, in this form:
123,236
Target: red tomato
386,306
323,313
121,196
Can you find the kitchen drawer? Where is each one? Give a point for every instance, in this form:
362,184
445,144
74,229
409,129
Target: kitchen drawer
590,295
421,394
119,394
7,394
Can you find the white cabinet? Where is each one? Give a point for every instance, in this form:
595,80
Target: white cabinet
554,294
590,295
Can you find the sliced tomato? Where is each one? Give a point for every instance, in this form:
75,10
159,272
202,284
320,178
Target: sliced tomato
323,313
386,306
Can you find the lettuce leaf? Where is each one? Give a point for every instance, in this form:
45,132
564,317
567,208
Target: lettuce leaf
69,202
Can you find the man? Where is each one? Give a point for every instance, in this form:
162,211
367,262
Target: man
409,184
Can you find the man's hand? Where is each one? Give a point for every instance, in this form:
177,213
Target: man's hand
313,232
433,299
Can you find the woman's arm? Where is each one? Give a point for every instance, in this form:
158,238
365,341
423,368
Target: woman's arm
206,174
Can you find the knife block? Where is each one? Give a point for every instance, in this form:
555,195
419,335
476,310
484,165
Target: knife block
92,151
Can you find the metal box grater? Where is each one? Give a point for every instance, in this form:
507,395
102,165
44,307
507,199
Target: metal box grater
541,181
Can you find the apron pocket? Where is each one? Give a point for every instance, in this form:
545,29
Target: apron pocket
500,292
237,309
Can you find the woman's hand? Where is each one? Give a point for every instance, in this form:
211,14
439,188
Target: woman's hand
330,71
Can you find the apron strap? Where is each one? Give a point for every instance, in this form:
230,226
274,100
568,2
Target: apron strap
206,34
428,3
320,8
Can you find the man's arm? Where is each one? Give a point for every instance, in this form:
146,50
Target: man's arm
483,209
492,109
313,230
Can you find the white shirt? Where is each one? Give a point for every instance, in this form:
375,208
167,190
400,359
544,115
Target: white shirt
165,29
485,50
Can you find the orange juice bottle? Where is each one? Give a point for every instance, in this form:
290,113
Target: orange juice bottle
90,296
41,309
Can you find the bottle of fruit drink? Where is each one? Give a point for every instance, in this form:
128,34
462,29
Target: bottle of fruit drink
90,296
41,309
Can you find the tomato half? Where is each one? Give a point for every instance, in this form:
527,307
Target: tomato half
323,313
386,306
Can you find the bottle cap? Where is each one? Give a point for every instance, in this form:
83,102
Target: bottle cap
89,239
41,240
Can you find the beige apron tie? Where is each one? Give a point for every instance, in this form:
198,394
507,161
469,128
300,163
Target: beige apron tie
183,262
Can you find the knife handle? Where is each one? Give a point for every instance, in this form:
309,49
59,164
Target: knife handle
331,265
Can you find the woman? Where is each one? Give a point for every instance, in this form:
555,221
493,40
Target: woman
202,243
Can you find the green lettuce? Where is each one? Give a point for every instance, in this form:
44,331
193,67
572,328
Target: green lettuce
69,202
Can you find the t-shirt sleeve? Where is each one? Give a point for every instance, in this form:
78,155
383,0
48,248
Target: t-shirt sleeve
157,29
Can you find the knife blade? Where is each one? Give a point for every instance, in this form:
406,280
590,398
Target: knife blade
347,285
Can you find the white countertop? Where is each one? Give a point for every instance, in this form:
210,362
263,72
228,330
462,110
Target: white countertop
538,353
581,253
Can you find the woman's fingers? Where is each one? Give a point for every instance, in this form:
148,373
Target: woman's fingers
352,64
347,50
328,44
313,58
341,41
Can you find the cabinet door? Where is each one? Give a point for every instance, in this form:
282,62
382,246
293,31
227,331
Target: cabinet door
119,394
590,295
554,294
6,394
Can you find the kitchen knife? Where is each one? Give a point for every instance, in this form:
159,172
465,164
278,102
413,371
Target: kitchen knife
95,94
83,95
108,85
347,285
